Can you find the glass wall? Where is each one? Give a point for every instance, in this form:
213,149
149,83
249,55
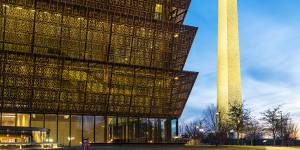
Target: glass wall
143,134
8,119
64,130
37,120
112,129
162,133
69,130
99,129
76,130
122,129
174,128
151,130
88,128
51,123
132,128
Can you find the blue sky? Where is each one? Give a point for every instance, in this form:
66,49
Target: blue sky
270,55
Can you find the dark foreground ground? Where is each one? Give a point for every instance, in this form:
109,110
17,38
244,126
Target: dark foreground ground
179,147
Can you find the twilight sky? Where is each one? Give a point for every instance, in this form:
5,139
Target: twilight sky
270,55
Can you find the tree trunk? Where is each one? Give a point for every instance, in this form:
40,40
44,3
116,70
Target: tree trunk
238,137
274,138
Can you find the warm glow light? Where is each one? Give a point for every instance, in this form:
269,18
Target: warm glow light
8,116
158,8
176,35
71,138
6,6
66,116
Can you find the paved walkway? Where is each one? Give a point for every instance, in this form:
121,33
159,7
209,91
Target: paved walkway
281,148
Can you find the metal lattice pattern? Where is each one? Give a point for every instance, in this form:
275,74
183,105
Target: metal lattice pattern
72,31
40,84
171,10
95,57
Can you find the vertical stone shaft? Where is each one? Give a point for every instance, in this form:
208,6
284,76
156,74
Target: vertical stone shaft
229,76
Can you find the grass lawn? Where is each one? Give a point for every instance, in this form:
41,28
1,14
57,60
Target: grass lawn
226,147
182,147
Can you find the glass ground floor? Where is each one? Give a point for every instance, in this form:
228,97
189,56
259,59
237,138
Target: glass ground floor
69,130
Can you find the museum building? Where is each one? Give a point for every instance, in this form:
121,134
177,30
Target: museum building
108,71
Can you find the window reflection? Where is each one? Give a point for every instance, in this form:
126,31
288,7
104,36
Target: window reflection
64,129
69,130
88,128
99,129
51,123
37,120
158,11
76,130
8,119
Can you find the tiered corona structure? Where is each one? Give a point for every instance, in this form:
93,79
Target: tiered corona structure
229,76
106,70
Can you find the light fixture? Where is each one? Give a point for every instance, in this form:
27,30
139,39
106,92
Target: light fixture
5,6
19,8
176,78
70,138
176,35
66,116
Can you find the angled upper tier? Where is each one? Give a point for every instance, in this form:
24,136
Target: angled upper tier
40,84
163,10
84,31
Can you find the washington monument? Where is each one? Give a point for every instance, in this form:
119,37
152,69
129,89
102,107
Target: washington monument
229,76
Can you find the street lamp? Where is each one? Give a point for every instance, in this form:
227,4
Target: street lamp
218,120
218,127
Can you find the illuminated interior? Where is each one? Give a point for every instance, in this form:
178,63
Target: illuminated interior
72,129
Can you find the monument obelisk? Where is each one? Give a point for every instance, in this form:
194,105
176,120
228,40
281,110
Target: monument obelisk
229,75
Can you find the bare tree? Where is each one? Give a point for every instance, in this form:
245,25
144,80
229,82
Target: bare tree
194,130
290,131
216,131
222,132
181,127
209,120
274,120
253,130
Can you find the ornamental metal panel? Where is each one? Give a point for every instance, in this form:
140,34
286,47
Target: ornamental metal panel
95,57
62,28
40,84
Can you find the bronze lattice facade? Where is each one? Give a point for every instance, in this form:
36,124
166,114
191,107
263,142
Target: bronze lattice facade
69,62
